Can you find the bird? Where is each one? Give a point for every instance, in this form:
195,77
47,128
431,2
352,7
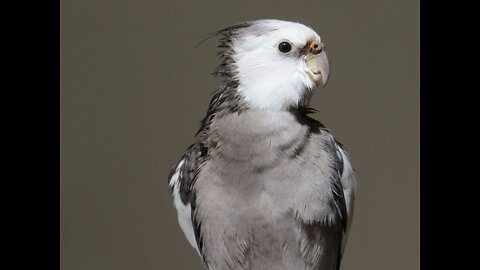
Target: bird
264,185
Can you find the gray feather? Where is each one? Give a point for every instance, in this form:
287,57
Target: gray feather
262,203
265,187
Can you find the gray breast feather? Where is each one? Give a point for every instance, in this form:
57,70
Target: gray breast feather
270,192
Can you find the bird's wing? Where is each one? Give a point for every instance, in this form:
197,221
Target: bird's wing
349,186
343,185
181,180
339,197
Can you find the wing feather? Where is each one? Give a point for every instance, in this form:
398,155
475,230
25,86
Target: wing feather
181,180
349,186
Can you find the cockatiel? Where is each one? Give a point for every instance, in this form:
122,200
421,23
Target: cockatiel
264,186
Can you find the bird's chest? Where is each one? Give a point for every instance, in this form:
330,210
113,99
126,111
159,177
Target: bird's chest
260,178
267,179
266,157
263,167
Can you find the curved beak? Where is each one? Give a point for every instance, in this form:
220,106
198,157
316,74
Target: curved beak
319,67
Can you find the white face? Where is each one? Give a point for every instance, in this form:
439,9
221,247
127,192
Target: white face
271,66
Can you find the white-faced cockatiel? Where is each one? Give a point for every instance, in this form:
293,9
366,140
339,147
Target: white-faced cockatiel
265,186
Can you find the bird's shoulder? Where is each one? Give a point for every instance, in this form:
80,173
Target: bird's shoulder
185,171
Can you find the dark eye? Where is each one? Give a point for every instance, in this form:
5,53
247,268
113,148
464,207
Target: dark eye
284,47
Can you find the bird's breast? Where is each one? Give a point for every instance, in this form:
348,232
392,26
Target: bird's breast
265,170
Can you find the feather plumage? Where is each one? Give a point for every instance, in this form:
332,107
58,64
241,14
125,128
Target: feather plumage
265,186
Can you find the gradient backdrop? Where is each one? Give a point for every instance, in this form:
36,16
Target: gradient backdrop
134,89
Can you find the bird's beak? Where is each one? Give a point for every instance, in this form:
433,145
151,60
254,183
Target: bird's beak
319,67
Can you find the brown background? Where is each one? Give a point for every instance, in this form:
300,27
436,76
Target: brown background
134,88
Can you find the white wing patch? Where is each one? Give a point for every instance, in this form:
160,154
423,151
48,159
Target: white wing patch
184,211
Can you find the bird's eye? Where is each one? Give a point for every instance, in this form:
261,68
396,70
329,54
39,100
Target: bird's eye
284,47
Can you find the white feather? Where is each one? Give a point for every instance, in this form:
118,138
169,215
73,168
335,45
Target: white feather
269,79
184,211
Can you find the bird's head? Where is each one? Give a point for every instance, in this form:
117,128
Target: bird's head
276,64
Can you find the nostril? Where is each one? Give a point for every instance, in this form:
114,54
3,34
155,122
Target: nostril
315,48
